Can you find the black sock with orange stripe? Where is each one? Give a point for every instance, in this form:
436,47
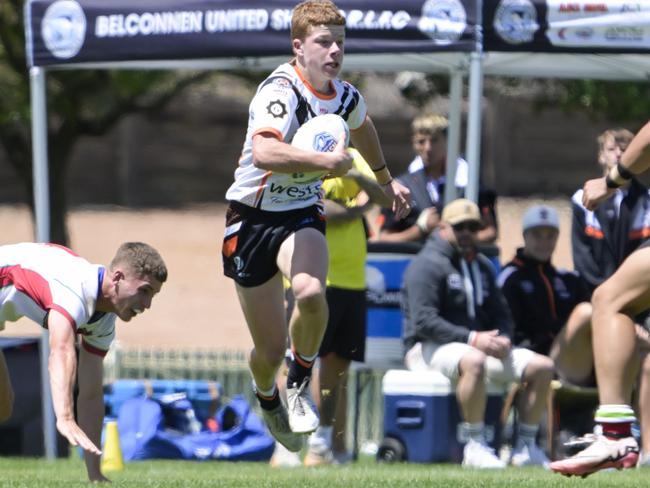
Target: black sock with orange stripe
268,402
299,368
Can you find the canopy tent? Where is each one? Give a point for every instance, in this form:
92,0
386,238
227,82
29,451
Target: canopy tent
221,34
535,38
529,38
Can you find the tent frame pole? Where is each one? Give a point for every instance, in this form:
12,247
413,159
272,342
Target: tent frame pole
473,148
453,133
42,215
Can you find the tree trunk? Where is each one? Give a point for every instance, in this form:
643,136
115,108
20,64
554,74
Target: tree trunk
61,142
58,208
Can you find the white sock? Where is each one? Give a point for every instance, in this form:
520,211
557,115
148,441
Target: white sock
266,393
322,436
475,431
614,414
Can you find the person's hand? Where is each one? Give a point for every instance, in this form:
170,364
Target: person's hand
77,437
502,346
492,344
401,197
339,160
594,192
428,220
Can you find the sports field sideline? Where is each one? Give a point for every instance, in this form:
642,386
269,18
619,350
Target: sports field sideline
69,473
180,319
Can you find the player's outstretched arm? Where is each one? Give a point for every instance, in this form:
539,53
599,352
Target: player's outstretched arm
62,368
635,160
366,140
372,189
90,407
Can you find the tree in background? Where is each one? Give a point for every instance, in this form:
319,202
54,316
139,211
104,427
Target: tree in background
618,101
80,103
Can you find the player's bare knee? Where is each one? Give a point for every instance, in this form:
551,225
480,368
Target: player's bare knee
602,297
310,295
305,287
473,364
540,368
584,311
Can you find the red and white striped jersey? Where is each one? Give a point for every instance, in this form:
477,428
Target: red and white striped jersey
37,278
283,102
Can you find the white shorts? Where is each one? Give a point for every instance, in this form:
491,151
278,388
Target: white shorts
446,357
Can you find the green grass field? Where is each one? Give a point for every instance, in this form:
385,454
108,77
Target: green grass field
70,473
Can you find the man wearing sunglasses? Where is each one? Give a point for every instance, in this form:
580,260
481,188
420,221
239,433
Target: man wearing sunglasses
456,321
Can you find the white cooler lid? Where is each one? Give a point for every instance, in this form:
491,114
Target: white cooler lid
425,383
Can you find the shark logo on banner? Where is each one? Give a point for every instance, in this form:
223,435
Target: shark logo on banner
64,28
515,21
444,21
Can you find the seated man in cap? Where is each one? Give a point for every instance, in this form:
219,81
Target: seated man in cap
456,321
551,307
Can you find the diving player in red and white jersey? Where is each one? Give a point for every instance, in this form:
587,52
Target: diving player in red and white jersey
66,294
274,223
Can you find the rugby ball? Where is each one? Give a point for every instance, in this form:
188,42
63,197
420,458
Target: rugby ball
321,134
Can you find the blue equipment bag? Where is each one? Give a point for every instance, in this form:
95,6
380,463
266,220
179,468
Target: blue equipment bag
167,429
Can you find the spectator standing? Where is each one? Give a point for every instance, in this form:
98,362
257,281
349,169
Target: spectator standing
602,238
426,180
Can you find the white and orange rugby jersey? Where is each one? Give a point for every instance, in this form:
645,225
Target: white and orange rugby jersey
37,278
283,102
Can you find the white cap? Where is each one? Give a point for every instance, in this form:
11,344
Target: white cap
541,216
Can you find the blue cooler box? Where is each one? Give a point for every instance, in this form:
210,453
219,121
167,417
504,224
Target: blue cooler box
421,412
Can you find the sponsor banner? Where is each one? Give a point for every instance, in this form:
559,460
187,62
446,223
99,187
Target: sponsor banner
88,31
611,24
566,26
516,21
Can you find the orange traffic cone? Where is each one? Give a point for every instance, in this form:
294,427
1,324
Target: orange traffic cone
112,459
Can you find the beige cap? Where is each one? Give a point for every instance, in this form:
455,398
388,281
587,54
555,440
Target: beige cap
461,210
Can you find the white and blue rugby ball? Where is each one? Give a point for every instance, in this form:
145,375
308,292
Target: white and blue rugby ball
321,134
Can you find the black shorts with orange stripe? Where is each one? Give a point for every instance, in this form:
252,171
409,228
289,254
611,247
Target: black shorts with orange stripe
253,237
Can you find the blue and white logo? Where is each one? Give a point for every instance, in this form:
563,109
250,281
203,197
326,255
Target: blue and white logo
444,21
324,142
64,28
375,281
515,21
